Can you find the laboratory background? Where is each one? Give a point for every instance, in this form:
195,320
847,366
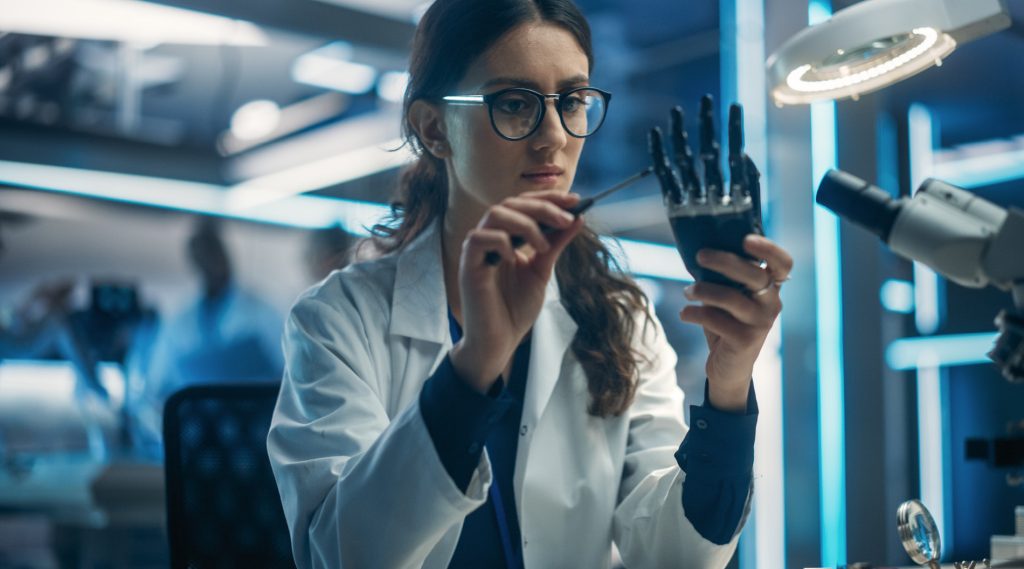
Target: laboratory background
174,173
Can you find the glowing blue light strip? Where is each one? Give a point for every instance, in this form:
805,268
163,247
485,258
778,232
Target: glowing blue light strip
931,412
648,259
921,134
948,350
933,436
309,212
763,542
330,67
983,170
828,287
897,296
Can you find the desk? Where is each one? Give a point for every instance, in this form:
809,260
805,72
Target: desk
63,510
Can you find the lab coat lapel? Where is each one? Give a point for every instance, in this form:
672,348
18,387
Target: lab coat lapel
552,334
419,310
419,307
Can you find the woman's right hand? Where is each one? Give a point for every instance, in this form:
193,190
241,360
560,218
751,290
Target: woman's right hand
500,302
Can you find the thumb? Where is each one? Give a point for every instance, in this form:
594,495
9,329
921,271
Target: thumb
559,241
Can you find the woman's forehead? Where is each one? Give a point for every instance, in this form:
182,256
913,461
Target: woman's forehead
540,53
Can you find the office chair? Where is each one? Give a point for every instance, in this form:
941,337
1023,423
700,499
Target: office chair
223,507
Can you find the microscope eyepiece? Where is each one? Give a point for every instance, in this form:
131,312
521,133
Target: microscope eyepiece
858,201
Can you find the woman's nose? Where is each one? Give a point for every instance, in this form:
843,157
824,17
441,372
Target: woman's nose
550,134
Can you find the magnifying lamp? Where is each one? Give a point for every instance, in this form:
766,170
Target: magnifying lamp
876,43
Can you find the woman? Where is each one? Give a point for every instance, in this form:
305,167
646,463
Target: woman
460,402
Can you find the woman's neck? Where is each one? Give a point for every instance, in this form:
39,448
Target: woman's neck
459,218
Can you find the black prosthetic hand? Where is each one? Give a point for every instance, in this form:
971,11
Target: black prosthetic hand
706,216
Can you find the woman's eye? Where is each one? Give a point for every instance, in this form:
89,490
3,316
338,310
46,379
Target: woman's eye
573,104
512,106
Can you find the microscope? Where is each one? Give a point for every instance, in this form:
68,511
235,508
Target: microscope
968,240
974,243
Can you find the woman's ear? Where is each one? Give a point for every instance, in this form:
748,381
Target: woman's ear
427,121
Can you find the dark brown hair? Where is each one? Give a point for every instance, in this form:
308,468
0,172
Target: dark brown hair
600,298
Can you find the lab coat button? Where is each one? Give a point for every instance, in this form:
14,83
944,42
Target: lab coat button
702,424
523,430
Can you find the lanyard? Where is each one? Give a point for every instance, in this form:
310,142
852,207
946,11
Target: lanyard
513,559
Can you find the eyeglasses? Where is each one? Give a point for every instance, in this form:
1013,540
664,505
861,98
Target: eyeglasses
516,113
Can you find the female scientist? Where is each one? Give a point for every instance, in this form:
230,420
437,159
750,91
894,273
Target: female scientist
440,409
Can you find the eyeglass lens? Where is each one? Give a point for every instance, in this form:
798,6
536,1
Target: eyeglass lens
516,113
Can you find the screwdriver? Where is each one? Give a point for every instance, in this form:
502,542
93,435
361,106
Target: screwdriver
493,258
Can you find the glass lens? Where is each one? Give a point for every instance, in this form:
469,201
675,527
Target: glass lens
515,113
583,111
918,533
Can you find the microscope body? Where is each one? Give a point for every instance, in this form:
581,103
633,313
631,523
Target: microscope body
970,241
965,238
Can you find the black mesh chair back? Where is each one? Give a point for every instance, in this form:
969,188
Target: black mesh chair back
223,507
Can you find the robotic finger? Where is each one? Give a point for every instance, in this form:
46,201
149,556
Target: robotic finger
684,156
737,158
670,186
705,217
710,151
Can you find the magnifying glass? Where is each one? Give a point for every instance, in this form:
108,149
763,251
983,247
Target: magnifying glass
919,534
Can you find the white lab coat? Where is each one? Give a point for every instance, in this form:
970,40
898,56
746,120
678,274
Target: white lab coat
363,486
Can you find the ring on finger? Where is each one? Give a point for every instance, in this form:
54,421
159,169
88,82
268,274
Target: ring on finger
762,291
771,275
772,283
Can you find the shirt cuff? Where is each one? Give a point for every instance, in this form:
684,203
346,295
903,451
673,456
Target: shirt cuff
717,455
459,419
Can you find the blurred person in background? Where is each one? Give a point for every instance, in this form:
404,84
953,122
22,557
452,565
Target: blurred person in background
29,328
44,324
227,335
461,402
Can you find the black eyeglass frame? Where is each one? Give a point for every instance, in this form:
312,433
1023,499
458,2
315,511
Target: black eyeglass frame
559,101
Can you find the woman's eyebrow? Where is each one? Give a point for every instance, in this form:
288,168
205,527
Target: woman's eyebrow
573,81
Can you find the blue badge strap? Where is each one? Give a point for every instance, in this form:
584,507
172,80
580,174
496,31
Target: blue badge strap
453,327
512,560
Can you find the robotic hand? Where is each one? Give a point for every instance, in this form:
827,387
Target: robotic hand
966,239
704,216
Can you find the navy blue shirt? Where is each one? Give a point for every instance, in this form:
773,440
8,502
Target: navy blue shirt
717,455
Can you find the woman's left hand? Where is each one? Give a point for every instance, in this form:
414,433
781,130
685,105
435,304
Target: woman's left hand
736,323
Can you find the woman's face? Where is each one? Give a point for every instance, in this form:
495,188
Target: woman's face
482,166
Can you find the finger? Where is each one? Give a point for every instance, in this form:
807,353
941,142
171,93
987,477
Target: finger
521,227
743,271
683,154
780,263
487,247
710,151
545,262
544,212
561,198
670,186
719,322
758,313
737,159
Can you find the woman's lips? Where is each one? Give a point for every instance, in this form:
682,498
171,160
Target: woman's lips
546,178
